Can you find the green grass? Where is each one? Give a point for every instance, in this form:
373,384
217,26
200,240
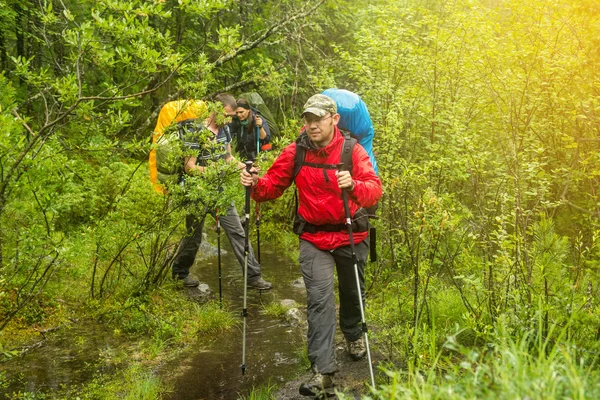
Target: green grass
275,309
140,385
264,392
512,366
133,383
453,354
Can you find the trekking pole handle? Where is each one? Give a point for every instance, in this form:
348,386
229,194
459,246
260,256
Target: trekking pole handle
249,164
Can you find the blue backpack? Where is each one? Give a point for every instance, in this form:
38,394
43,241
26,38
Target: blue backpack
355,118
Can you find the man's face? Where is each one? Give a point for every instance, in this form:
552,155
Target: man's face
242,113
229,112
217,119
211,119
320,129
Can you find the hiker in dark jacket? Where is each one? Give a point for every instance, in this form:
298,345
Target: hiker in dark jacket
324,239
244,127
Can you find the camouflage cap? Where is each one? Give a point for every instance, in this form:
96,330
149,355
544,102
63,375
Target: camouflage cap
320,105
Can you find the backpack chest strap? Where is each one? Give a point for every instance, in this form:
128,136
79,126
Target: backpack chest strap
324,167
317,165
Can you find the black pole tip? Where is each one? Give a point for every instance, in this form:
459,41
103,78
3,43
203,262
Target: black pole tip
243,367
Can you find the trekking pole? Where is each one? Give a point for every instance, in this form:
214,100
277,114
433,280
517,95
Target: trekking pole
246,252
257,210
355,261
257,222
219,257
257,129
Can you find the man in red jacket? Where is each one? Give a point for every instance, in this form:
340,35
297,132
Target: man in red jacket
324,239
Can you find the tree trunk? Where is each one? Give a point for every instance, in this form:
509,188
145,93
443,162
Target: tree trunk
3,56
19,31
19,35
416,295
1,237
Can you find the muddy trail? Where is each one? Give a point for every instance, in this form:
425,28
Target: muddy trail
273,344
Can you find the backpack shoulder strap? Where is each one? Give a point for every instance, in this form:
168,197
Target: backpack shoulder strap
227,131
347,149
300,156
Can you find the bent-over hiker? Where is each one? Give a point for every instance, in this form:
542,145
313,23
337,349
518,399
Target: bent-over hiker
189,245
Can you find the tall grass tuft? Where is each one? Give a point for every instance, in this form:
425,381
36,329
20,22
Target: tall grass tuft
264,392
512,365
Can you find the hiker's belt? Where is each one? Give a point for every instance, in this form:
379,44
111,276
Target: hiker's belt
360,223
311,228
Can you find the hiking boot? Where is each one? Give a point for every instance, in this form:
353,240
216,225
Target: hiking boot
190,281
259,284
319,384
356,348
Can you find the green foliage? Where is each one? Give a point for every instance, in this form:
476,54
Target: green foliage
490,210
164,318
80,86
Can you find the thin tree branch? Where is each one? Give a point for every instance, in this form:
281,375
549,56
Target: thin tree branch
267,33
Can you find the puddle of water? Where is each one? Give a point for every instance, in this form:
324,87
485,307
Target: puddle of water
271,344
68,357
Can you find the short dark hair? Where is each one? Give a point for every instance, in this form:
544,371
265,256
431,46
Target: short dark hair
227,100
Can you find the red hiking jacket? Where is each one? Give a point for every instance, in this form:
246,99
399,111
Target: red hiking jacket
319,197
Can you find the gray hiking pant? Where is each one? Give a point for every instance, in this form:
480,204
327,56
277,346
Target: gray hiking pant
317,270
190,244
232,225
